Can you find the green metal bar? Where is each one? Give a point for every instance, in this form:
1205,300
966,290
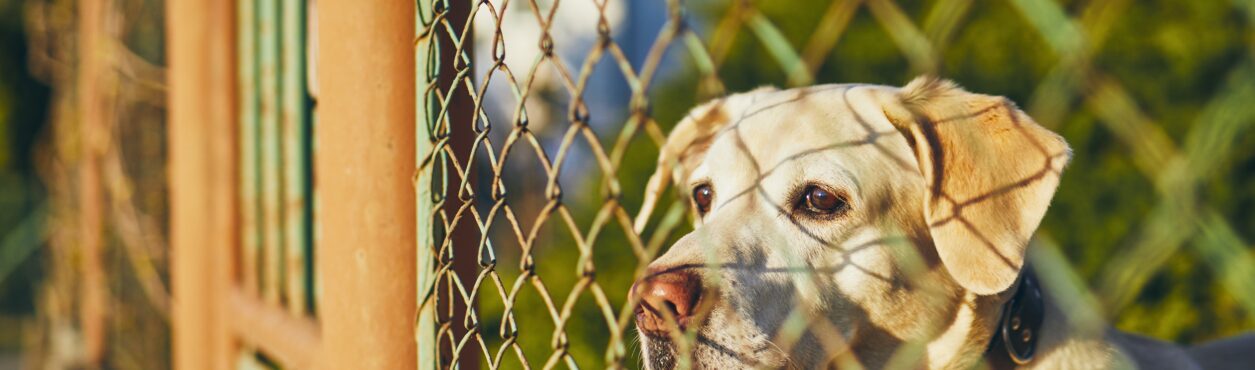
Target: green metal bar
312,287
271,151
250,178
310,64
296,173
425,61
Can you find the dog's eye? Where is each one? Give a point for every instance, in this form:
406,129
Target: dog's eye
702,195
821,201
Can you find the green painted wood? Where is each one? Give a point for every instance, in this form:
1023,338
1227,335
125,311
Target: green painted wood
426,60
249,146
271,150
296,167
247,360
313,287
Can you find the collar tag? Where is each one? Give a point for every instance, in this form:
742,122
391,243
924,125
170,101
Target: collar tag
1020,324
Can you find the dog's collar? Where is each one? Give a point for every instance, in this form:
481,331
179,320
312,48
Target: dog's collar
1015,339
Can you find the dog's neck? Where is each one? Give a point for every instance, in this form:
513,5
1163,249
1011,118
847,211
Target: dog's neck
983,324
961,344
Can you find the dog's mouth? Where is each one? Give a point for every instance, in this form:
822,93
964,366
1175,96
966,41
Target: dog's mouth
657,347
659,352
706,350
662,353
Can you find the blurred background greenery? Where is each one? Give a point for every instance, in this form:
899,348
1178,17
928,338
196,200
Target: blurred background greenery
24,103
41,184
1144,78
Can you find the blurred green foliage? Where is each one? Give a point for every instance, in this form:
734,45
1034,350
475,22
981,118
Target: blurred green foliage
23,112
37,182
1171,56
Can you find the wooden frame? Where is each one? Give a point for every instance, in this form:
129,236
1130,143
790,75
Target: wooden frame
364,163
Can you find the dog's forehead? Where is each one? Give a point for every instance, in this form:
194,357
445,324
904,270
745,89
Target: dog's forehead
804,129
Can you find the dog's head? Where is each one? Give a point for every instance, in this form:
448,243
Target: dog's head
839,222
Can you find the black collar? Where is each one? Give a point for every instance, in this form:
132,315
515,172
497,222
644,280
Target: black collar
1015,339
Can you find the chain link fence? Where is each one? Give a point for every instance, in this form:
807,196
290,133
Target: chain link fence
532,167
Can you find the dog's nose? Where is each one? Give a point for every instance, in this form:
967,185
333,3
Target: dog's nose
673,294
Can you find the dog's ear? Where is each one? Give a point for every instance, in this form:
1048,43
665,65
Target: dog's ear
991,173
683,151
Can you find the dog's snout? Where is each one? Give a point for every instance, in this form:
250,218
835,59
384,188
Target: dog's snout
667,298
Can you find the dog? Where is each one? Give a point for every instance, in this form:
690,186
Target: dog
867,226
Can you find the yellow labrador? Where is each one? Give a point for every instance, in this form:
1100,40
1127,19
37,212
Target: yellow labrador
869,225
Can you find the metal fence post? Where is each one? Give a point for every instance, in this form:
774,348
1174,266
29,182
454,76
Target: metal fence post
364,162
425,326
202,179
441,64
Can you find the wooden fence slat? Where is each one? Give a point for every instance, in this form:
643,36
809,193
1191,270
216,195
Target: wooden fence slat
294,342
249,125
202,158
271,151
364,163
296,139
94,132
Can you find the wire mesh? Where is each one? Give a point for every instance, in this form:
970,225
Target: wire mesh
530,284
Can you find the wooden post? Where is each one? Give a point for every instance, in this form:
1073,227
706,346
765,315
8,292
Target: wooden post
363,161
203,204
93,134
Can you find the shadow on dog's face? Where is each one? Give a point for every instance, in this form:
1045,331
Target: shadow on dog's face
835,223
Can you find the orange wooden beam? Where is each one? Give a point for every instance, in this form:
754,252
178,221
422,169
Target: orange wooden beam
203,207
292,341
94,133
364,163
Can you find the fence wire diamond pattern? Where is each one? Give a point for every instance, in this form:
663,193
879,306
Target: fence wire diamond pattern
469,219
